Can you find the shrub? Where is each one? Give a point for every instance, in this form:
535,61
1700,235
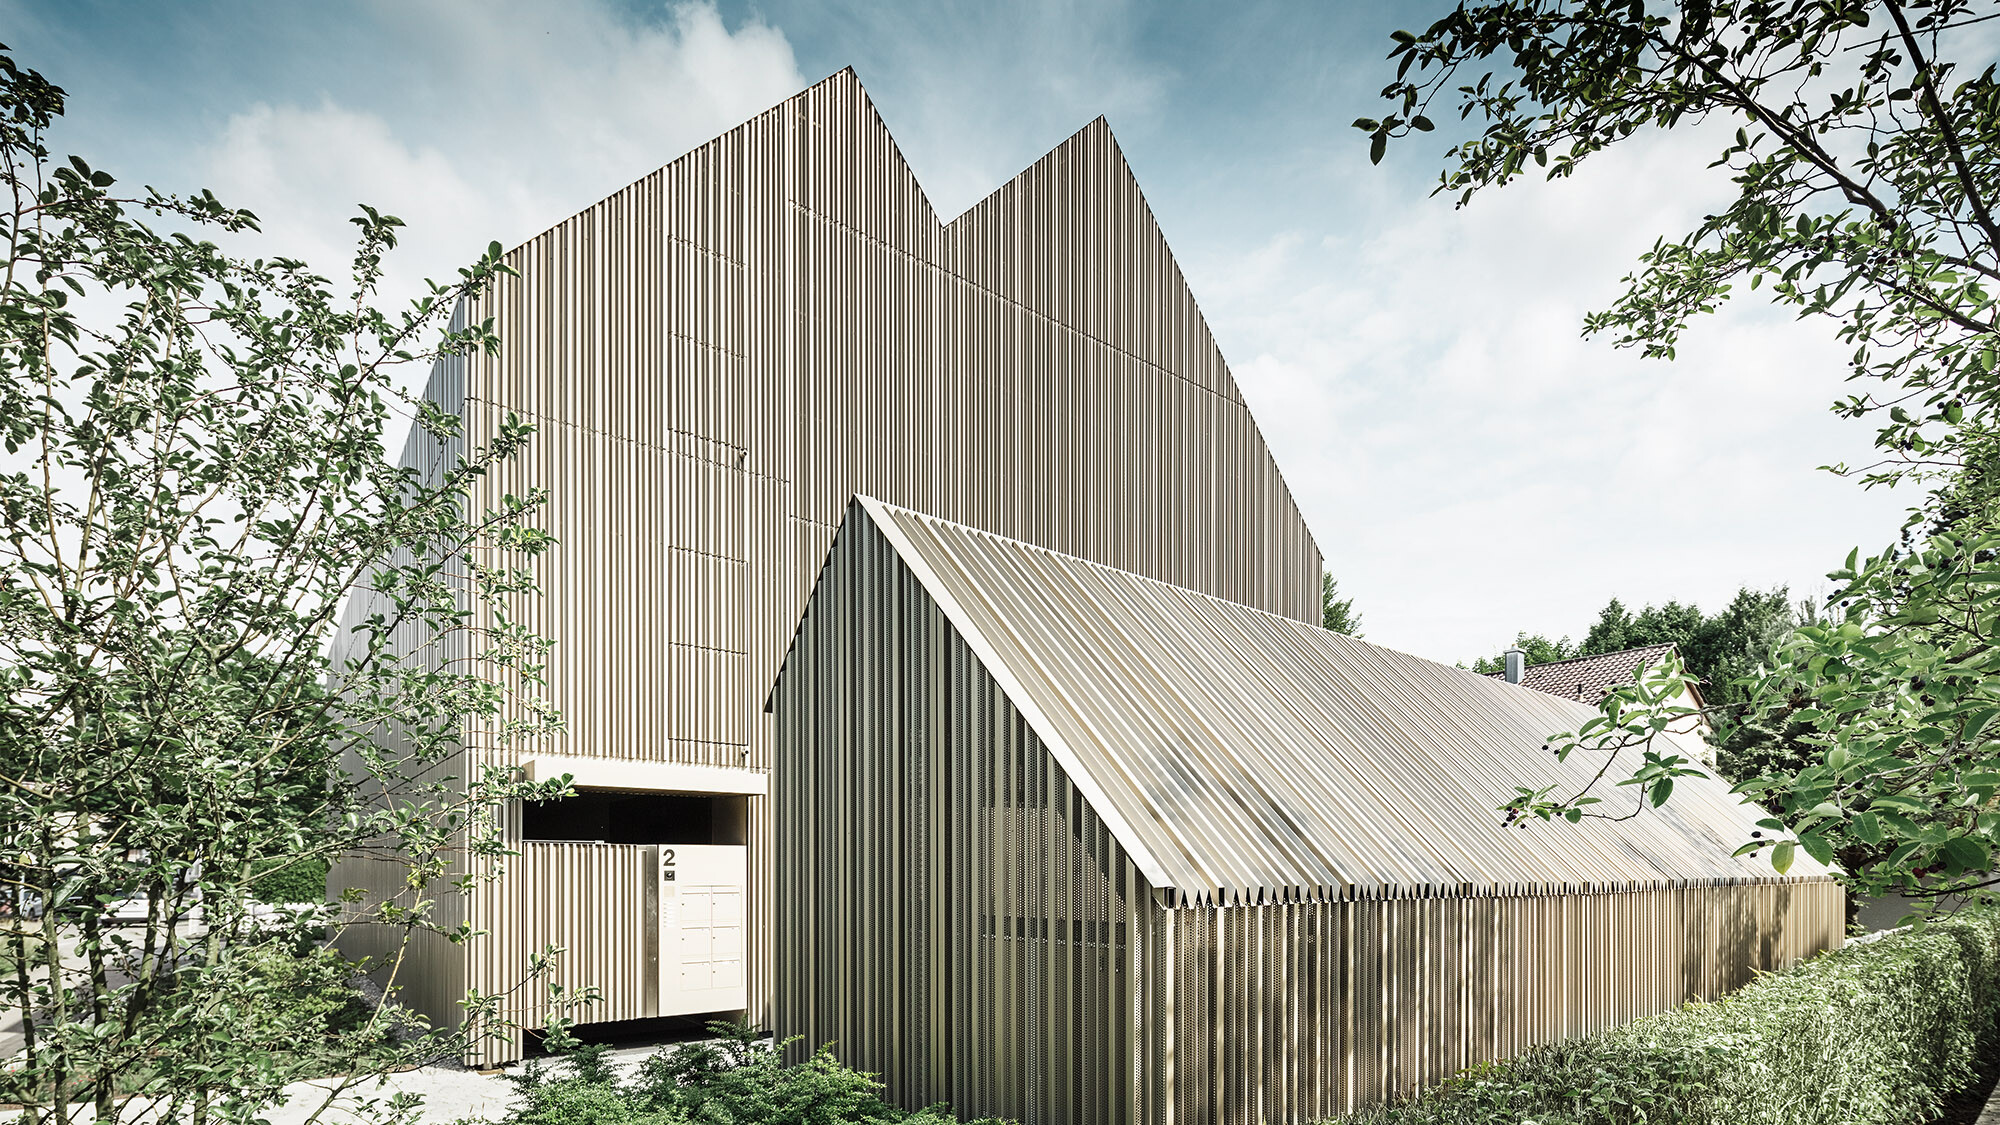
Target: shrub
299,1010
308,994
1874,1034
303,881
736,1080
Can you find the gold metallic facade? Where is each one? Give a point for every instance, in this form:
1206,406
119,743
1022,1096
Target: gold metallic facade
956,911
719,356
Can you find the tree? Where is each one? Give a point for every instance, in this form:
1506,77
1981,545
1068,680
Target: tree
1726,649
1865,162
1719,650
1618,628
1614,631
1335,612
195,480
1535,649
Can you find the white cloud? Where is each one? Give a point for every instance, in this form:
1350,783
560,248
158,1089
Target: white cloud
975,93
306,170
508,116
1472,467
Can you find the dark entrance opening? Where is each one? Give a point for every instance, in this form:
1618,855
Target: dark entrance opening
622,817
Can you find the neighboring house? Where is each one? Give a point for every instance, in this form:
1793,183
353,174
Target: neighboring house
1588,679
717,358
1065,844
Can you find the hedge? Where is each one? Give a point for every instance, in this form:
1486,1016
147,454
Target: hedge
1878,1033
301,881
739,1078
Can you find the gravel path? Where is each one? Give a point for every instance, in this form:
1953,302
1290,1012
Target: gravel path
450,1094
1991,1114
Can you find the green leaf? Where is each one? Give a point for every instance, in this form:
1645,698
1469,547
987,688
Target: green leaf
1902,825
1376,147
1867,828
1975,724
1421,123
1963,853
1781,856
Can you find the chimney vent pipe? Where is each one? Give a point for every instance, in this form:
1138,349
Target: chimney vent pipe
1517,663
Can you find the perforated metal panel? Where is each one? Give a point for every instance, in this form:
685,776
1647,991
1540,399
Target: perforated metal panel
957,914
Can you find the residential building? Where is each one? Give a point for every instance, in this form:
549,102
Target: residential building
717,358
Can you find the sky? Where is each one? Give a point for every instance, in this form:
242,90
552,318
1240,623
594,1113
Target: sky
1471,466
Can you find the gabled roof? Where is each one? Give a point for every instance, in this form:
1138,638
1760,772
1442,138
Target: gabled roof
1588,678
1239,756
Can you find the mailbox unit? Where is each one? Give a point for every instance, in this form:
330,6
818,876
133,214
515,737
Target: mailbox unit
697,925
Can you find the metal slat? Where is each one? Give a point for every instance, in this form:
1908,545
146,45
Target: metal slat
1285,995
1247,755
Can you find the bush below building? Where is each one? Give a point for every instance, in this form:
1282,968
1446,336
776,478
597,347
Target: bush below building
296,882
735,1079
1879,1033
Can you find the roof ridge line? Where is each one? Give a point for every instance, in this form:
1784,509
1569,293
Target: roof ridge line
1023,701
1158,582
1596,655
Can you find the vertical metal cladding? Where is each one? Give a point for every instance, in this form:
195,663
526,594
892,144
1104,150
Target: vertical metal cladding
590,899
955,915
720,355
431,972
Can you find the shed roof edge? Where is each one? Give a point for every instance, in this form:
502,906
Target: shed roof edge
1017,695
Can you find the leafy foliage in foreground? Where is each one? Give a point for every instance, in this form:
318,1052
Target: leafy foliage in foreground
737,1079
1874,1033
195,478
1865,165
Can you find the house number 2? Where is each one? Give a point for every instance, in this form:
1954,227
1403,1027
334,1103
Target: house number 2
666,865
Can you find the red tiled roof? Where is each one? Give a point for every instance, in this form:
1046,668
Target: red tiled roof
1589,678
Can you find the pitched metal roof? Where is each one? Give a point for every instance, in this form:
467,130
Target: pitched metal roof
1239,756
1589,678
